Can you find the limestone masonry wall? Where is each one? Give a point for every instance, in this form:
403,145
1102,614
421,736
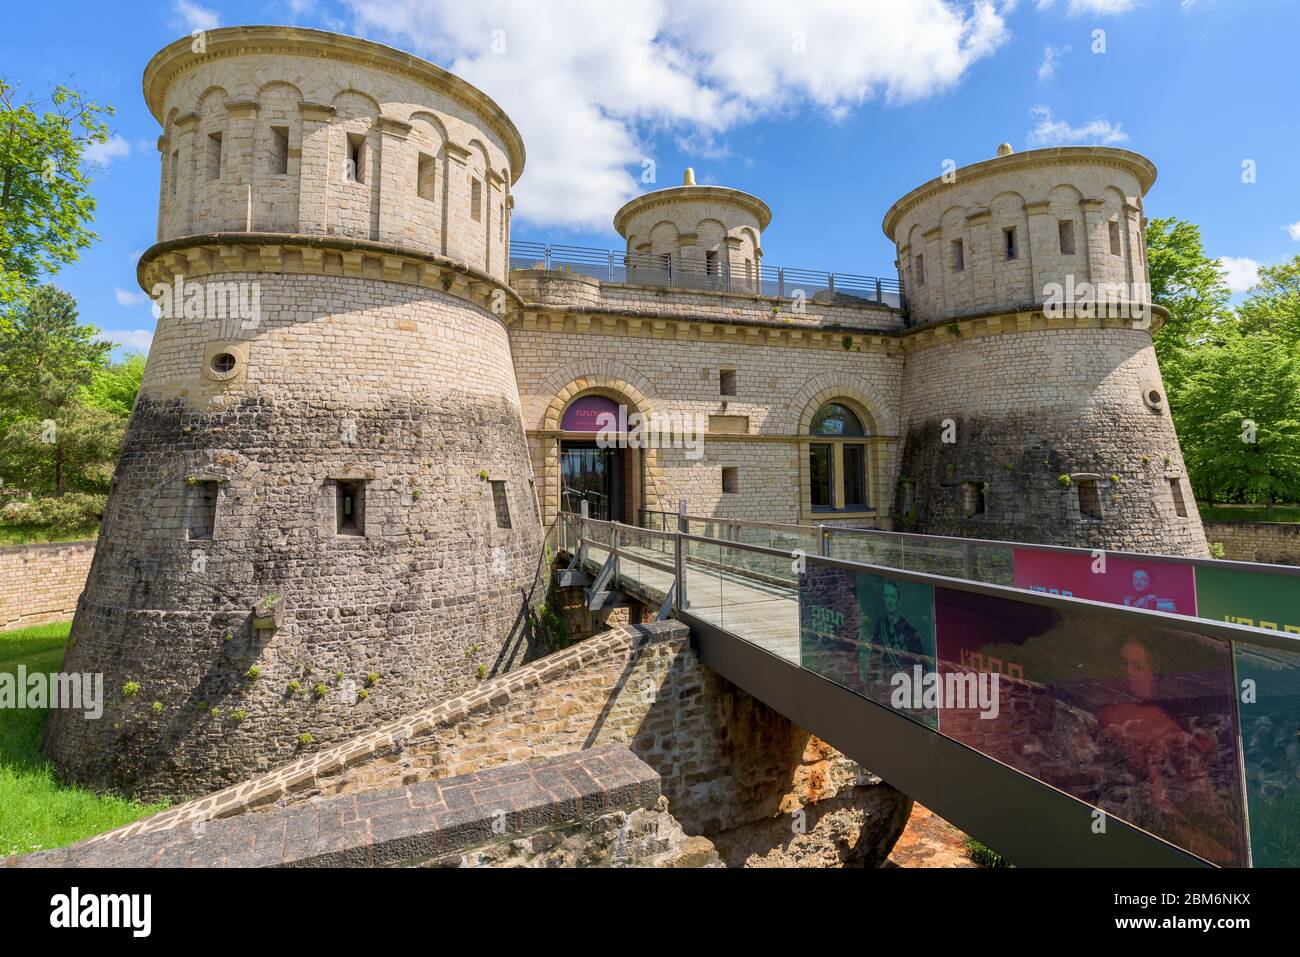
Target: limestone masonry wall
41,583
725,759
1277,543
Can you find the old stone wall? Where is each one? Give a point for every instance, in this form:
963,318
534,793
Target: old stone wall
1029,402
1277,543
596,808
728,763
404,393
40,583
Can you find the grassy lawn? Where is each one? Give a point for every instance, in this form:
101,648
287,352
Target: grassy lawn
31,534
1249,513
36,811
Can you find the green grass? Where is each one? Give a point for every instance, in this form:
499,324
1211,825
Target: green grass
38,811
984,856
1248,513
32,534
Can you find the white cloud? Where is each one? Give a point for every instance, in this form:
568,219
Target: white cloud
126,298
1099,7
103,154
1050,131
190,16
1239,272
1293,230
140,339
1051,56
589,87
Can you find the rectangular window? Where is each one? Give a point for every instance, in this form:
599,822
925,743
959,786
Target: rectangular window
1180,506
501,504
176,169
1089,498
354,159
1009,242
1113,227
958,256
425,176
855,476
730,480
909,496
974,498
501,223
214,156
475,200
279,150
920,270
711,262
726,382
820,471
202,521
1065,231
351,500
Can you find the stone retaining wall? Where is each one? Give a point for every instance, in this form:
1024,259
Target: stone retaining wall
1277,543
595,808
41,583
726,760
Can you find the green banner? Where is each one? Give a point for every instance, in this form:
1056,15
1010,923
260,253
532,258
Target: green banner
1255,598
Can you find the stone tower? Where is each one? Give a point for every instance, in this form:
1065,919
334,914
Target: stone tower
1033,405
697,236
323,514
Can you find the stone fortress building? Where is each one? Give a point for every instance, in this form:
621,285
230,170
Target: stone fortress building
329,507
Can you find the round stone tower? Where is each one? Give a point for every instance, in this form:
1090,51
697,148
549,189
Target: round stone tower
696,236
1033,405
323,514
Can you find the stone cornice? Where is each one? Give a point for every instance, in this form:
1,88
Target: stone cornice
1005,322
298,254
176,58
1126,160
676,195
750,332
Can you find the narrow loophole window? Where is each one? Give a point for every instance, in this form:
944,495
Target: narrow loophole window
1009,242
355,158
278,163
730,480
476,200
351,508
920,270
202,511
214,156
1089,498
1176,489
1113,227
1065,232
974,498
425,177
726,382
501,504
175,170
958,256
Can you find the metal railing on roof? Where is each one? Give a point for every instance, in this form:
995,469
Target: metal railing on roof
719,274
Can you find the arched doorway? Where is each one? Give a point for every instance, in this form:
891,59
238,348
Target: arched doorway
598,471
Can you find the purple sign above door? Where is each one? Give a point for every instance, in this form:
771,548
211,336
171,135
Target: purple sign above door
583,414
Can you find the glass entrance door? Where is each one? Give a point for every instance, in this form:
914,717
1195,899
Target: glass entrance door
592,475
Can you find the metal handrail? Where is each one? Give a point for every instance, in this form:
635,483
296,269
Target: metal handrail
661,269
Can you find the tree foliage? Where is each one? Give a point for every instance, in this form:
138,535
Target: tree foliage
1273,304
114,387
45,201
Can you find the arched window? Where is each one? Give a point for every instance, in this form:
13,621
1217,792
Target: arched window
837,465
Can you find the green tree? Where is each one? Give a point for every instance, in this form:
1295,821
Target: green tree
1273,305
45,201
114,387
1239,419
51,439
1191,286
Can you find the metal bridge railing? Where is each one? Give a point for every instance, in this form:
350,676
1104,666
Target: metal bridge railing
619,266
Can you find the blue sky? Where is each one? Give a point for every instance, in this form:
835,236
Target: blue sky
829,111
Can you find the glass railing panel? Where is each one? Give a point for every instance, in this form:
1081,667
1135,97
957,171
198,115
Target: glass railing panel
1269,694
1133,717
760,600
870,634
870,548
